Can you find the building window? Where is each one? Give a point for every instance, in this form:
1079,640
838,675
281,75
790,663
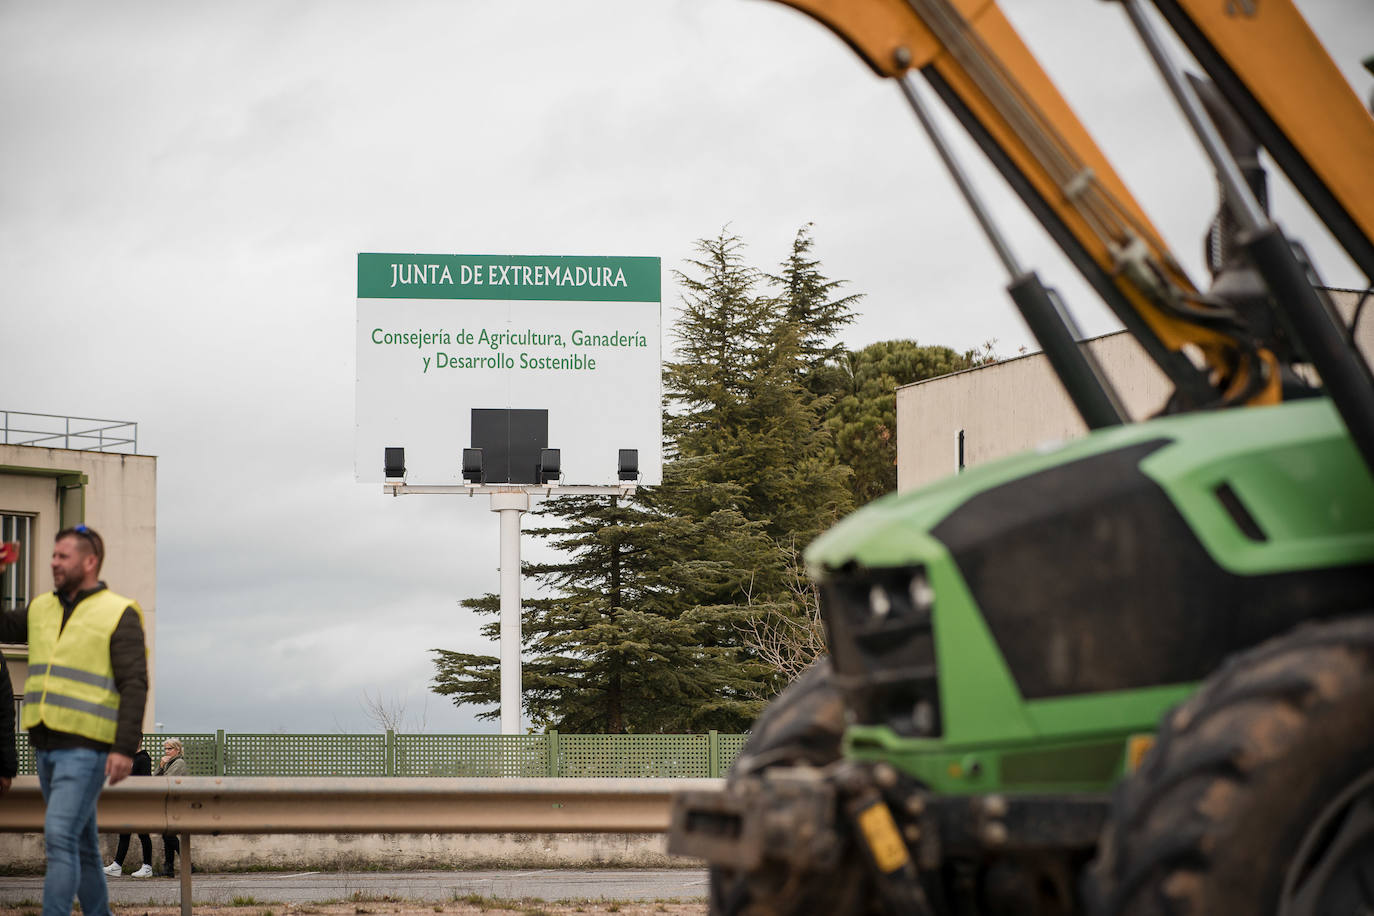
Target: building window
15,586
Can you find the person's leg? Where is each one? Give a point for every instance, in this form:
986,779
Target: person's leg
70,780
170,846
121,850
146,842
91,889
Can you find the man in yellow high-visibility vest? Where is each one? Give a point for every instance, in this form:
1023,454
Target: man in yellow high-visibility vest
83,709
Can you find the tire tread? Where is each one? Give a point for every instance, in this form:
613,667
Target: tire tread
1159,829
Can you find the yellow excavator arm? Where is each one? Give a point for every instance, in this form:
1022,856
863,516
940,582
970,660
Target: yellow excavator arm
1275,73
975,61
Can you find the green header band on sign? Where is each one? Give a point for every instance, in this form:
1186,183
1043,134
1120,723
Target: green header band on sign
476,276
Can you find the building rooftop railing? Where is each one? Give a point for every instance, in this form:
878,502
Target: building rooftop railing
83,434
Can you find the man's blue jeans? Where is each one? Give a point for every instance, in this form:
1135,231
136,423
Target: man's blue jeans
71,780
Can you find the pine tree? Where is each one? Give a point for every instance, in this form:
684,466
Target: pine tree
863,416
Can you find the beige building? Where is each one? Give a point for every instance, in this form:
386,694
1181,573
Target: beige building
1018,404
43,490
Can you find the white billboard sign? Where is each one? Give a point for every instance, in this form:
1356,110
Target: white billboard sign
448,345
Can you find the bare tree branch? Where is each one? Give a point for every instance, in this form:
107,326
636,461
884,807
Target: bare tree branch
789,641
389,713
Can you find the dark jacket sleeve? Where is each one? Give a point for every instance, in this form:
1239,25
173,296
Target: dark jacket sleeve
9,758
143,764
129,659
14,625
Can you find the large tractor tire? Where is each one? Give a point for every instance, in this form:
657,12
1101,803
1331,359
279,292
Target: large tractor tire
804,725
1258,796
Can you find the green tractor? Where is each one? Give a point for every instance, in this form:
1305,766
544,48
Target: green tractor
1133,674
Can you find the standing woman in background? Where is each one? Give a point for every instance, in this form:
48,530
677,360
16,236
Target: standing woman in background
172,764
143,766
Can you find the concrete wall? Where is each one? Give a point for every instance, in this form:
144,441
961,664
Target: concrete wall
1008,407
120,503
23,853
1018,404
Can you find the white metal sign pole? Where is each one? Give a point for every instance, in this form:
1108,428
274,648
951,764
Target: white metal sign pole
511,504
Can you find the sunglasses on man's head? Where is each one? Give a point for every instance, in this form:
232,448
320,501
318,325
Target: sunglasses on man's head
91,538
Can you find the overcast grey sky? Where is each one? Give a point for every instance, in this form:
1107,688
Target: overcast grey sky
185,187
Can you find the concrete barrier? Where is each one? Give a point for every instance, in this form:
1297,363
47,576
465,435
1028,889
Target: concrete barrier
23,852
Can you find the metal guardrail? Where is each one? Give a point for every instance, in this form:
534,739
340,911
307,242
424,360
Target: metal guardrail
188,805
257,804
85,434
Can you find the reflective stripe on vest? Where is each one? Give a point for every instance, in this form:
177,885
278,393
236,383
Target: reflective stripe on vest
55,699
70,687
74,674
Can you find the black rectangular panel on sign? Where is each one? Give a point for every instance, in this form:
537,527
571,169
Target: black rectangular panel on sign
510,441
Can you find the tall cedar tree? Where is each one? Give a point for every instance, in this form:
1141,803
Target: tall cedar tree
741,412
644,633
811,304
739,398
639,638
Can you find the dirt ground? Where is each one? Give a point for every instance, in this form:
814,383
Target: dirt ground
471,907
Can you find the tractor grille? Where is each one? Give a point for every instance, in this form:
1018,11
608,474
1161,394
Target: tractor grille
882,646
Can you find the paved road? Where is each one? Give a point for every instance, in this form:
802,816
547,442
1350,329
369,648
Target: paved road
434,886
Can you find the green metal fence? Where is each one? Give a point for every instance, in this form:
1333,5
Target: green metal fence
391,754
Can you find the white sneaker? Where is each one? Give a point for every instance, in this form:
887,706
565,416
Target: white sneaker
114,870
144,871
